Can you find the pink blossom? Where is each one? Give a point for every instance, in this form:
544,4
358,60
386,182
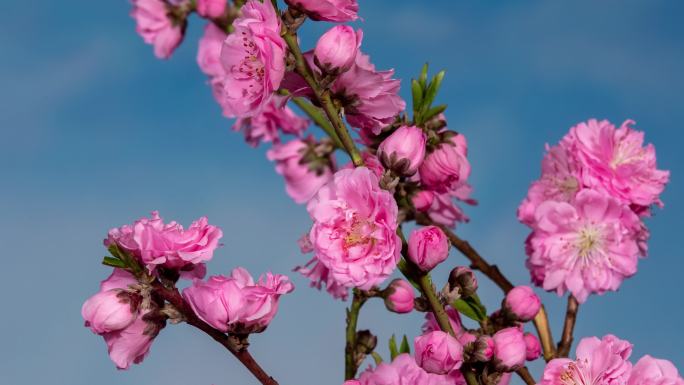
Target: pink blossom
588,247
354,230
156,28
320,276
444,210
116,314
209,50
399,296
509,349
533,350
301,181
336,49
404,150
237,304
131,344
327,10
447,167
112,308
403,370
428,247
265,125
371,97
653,371
155,243
616,160
423,199
437,352
211,8
599,362
560,181
253,57
522,303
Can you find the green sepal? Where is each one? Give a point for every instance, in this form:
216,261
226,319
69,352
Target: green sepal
404,348
113,262
394,352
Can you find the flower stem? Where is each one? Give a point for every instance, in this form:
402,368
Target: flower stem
321,121
173,297
441,315
323,97
541,321
524,373
350,364
568,327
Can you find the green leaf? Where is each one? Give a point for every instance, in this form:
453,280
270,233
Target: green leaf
377,358
423,75
393,347
471,307
417,92
432,90
113,262
434,111
404,348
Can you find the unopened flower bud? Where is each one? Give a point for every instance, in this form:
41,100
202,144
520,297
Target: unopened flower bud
484,348
437,352
211,8
404,150
109,310
336,49
423,200
462,280
365,342
509,349
399,296
533,350
522,303
428,247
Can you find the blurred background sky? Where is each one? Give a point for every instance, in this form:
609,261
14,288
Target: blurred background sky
96,132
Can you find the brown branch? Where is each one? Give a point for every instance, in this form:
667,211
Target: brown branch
173,297
524,373
568,327
541,321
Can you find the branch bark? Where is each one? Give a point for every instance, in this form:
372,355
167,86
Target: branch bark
173,297
568,327
350,364
323,97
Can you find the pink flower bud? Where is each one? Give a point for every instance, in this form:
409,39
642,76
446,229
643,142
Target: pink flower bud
485,350
509,349
533,347
336,49
463,280
108,311
400,297
404,150
522,303
211,8
423,200
447,166
437,352
428,247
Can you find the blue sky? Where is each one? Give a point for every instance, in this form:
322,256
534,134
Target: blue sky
97,132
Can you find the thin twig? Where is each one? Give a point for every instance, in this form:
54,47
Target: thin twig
350,362
323,97
524,373
174,298
568,327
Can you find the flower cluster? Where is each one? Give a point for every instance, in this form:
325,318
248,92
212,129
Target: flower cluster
138,298
586,210
606,361
404,370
